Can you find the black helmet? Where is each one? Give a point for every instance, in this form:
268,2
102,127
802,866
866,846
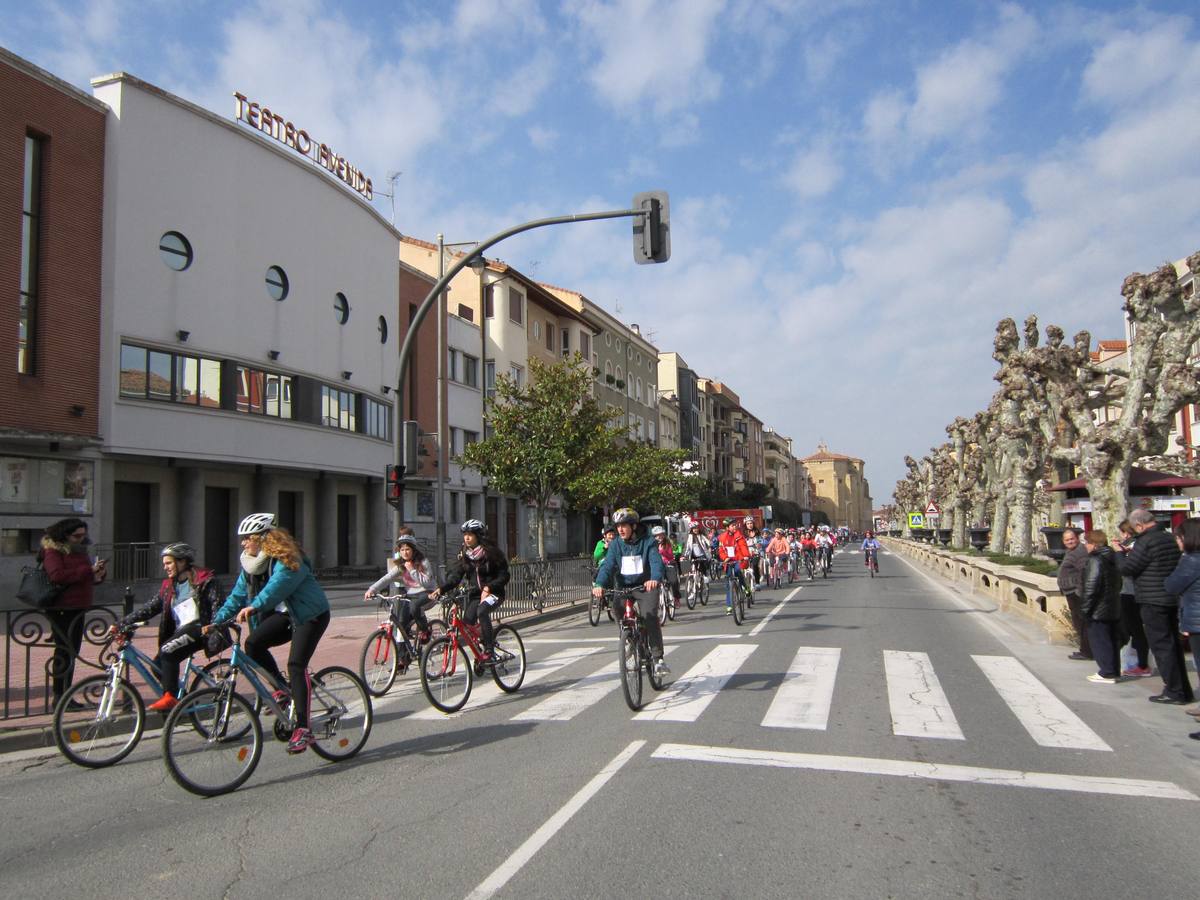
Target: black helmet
180,550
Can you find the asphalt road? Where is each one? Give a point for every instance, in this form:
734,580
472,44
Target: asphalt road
871,738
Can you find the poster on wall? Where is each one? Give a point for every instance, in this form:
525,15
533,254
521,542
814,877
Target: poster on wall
425,503
77,485
14,480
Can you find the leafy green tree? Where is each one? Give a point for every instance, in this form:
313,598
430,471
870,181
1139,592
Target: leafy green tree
638,475
543,435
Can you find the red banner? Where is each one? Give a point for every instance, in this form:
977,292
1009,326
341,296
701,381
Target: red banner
712,518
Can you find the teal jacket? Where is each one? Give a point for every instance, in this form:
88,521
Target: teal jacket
298,591
644,547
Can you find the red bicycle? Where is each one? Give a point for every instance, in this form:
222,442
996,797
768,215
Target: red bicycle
388,651
447,675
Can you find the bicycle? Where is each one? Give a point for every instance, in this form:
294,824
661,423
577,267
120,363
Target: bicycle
634,653
873,562
100,719
594,604
666,600
695,587
810,564
826,561
388,651
447,676
213,739
776,576
736,579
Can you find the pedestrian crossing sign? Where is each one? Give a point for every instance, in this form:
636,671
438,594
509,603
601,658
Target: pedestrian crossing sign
916,520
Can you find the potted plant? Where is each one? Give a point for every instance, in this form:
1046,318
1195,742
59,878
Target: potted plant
979,536
610,378
1054,542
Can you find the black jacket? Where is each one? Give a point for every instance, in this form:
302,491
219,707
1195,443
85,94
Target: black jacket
1152,559
1101,591
1070,570
490,571
207,592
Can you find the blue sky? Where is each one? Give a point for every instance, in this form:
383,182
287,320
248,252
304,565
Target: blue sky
859,191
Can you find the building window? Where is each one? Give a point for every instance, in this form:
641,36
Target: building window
465,312
175,251
489,304
341,308
517,374
516,306
30,232
264,393
337,408
608,370
608,339
489,378
550,336
382,328
640,395
277,283
463,368
585,345
377,419
618,347
564,343
537,331
172,377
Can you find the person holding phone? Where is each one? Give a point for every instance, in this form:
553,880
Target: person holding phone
64,556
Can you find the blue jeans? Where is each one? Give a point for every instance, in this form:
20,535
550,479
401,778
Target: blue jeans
732,570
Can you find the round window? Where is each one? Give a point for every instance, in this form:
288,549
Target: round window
382,330
277,283
175,250
341,308
618,345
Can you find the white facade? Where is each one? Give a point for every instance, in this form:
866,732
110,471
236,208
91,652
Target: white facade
243,203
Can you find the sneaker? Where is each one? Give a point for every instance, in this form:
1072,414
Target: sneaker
729,610
165,703
282,699
300,741
1137,672
660,668
1097,678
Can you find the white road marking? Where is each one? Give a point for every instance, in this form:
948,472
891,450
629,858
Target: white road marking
500,877
1084,784
763,624
919,706
806,694
691,694
1047,719
564,705
667,638
486,692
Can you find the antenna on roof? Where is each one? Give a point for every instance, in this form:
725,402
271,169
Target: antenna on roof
391,192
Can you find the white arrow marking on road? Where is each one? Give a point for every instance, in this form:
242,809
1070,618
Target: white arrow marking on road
1050,781
806,694
690,696
1045,717
564,705
483,694
919,706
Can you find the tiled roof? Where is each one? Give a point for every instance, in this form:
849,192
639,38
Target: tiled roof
1112,345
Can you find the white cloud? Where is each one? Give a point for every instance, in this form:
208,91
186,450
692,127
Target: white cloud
1131,66
542,138
814,172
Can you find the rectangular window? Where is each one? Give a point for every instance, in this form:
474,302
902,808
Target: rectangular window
187,379
377,419
465,312
516,306
564,343
251,390
470,371
174,377
133,371
489,378
30,229
517,374
550,336
158,378
454,506
337,409
451,363
469,438
585,345
489,295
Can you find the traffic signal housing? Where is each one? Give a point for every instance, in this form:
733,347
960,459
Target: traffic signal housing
393,485
652,229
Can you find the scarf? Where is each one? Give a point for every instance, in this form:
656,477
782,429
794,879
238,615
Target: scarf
476,553
255,565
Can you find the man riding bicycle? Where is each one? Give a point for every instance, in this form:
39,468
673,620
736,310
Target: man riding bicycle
735,556
635,562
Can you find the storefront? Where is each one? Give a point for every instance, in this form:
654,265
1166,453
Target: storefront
1158,492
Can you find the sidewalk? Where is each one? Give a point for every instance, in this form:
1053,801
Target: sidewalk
341,645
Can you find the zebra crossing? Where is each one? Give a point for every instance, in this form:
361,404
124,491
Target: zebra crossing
803,699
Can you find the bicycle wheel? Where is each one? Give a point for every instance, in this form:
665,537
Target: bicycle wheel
217,756
668,602
508,659
212,675
703,591
631,670
594,604
378,662
647,661
95,724
446,674
340,713
739,606
693,590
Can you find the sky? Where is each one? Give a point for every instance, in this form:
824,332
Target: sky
858,191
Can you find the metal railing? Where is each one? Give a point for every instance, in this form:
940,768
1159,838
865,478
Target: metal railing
141,561
538,585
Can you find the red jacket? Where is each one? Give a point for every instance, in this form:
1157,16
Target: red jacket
732,546
71,569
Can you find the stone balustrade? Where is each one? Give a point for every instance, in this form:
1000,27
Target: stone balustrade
1011,588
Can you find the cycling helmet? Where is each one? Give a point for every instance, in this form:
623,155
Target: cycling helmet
407,539
725,523
608,529
657,530
180,550
749,520
624,516
256,523
473,526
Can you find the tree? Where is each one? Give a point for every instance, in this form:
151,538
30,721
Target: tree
542,435
638,475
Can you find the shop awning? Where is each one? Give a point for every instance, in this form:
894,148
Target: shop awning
1138,478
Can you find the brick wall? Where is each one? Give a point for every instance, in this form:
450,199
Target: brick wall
66,367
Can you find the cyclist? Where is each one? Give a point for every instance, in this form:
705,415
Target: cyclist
415,575
808,546
670,564
276,589
754,544
871,547
186,600
485,569
736,556
824,550
635,562
606,538
778,549
698,549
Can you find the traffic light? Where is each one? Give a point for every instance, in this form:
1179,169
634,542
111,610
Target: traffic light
393,484
652,230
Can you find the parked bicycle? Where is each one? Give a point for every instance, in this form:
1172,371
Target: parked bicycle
388,651
99,720
634,652
213,739
447,675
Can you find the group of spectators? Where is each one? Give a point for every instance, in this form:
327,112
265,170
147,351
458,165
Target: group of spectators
1143,590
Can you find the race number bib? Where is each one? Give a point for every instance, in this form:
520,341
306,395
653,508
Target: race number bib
730,552
186,612
632,565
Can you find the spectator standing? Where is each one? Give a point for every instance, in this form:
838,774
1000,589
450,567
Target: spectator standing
1070,582
64,556
1132,630
1153,558
1185,582
1100,601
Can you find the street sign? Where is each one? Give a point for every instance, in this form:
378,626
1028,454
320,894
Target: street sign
916,520
932,509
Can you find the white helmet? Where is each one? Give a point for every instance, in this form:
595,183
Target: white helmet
256,523
657,530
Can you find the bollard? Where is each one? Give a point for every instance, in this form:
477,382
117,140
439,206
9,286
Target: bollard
128,599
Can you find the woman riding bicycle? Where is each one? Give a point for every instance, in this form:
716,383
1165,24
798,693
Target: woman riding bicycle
778,549
186,599
670,563
416,576
698,549
277,590
485,569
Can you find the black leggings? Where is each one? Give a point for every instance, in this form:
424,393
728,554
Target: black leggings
276,628
178,647
66,630
407,611
475,611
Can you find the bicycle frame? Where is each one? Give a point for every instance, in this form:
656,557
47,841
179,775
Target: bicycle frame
460,632
129,655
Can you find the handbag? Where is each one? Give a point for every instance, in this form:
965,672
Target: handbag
36,589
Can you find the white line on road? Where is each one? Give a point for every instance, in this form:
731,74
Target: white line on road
806,694
763,624
667,638
552,826
1050,781
690,696
918,703
564,705
1047,719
